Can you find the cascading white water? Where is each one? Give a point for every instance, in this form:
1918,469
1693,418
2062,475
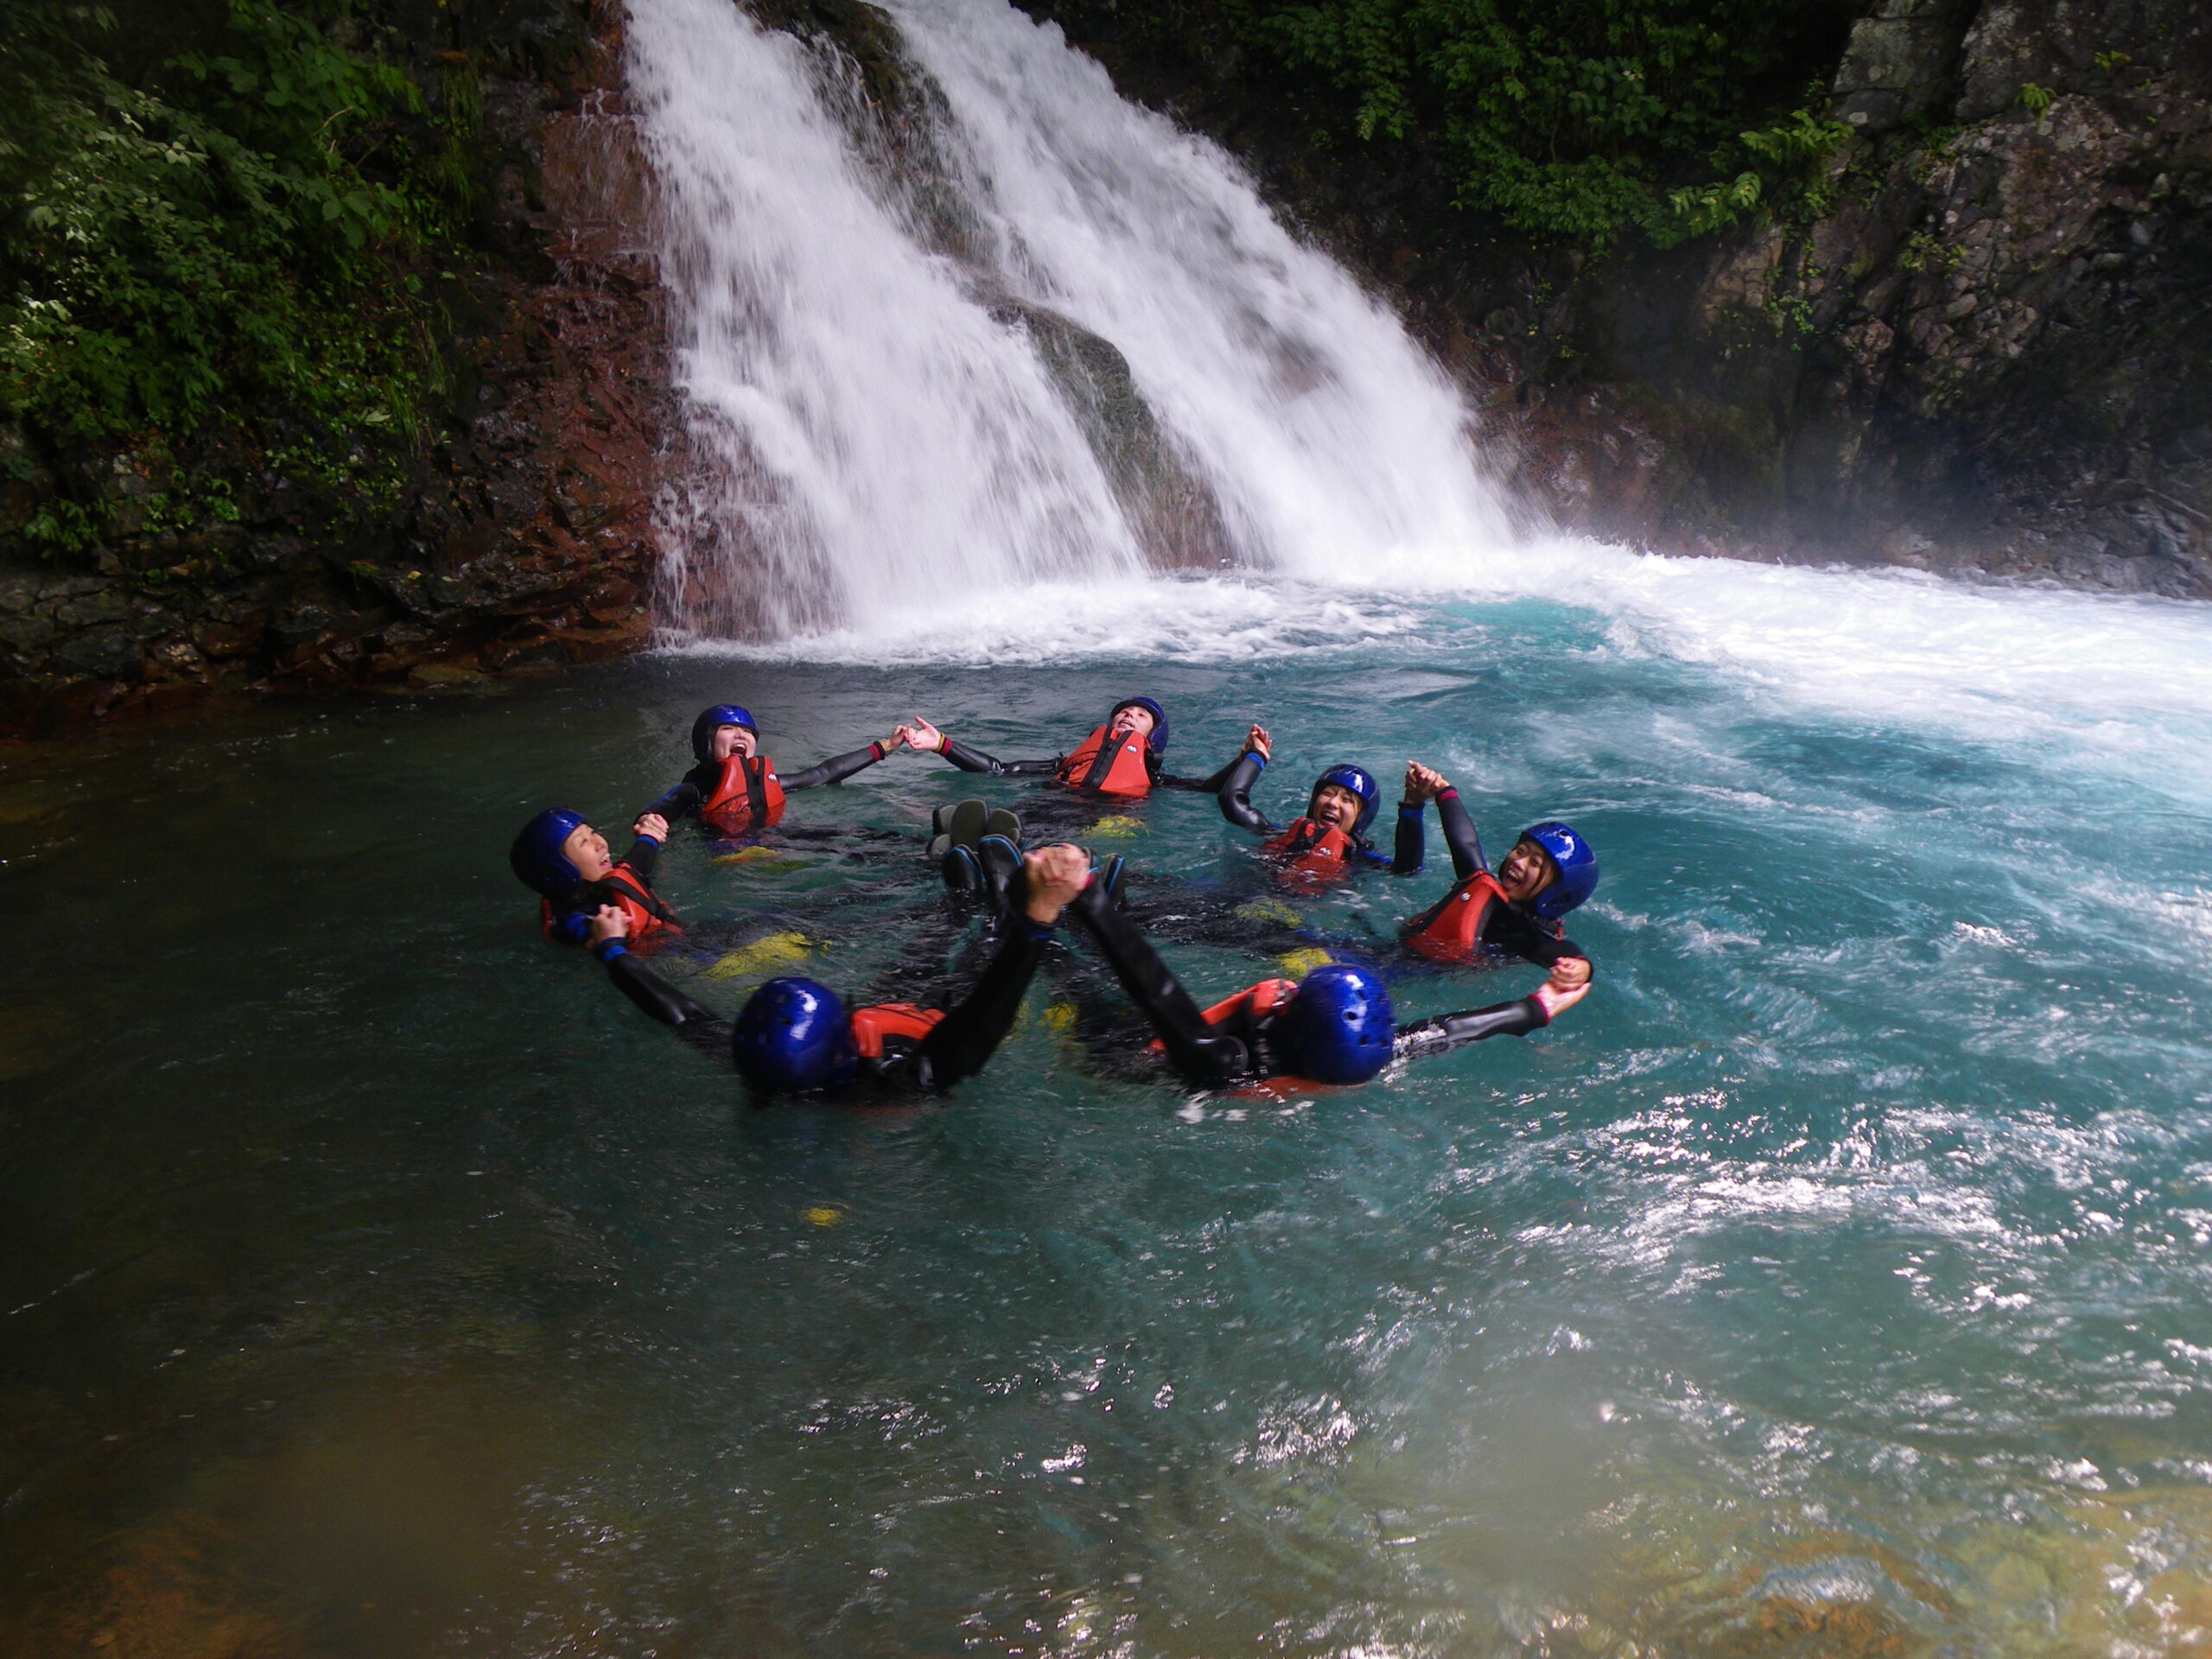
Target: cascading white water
875,433
1328,435
868,436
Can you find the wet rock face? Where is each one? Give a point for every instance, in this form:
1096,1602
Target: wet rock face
525,538
1990,355
1898,67
1176,519
2012,350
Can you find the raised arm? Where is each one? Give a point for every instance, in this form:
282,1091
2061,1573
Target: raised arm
650,830
1205,1057
922,735
839,768
1410,851
971,1033
1237,789
1209,784
1459,834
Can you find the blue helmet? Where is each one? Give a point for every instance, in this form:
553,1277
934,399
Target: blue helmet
723,714
1578,868
1361,782
1158,741
536,855
1339,1027
793,1035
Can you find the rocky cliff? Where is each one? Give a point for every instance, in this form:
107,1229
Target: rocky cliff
523,536
1984,353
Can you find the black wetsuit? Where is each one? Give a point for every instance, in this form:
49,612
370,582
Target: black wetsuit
1408,851
1507,928
955,1047
698,784
1242,1049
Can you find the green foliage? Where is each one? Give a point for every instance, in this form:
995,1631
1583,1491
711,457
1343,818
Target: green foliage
2107,62
1578,119
2037,100
217,257
1925,251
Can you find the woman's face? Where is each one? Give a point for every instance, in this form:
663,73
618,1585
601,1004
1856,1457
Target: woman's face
1335,804
1526,871
1131,719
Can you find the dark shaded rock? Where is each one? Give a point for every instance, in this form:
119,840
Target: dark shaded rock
1174,514
1898,66
536,498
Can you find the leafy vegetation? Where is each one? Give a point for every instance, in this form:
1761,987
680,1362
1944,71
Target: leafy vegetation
215,253
1579,120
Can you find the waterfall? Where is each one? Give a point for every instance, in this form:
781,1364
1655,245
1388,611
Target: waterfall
1024,332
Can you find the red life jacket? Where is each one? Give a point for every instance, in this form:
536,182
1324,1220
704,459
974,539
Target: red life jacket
1257,1002
1105,766
1314,855
872,1024
746,796
1452,929
648,917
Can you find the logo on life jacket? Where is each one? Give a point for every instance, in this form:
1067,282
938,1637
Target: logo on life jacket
1313,855
1103,765
1452,929
872,1024
647,916
746,796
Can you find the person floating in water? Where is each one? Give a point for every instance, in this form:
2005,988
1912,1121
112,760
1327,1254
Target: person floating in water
1328,842
567,863
796,1036
1549,871
735,790
1121,759
1334,1027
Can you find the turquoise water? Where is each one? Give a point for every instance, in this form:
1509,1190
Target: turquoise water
1834,1280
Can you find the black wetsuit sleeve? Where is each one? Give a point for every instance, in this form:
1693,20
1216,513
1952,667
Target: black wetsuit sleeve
969,760
1411,850
1210,785
1203,1055
1237,794
1511,930
696,1025
970,1034
835,770
1449,1030
643,854
685,798
1461,834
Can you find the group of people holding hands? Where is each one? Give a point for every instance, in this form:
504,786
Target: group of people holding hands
1334,1025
